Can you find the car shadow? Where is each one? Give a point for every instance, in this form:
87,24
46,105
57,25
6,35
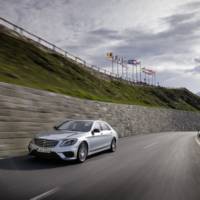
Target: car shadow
33,163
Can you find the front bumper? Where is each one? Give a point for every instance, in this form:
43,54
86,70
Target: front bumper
64,153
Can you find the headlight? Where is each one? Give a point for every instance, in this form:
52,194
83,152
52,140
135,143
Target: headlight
68,142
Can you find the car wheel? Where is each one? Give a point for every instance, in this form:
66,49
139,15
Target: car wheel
113,145
82,152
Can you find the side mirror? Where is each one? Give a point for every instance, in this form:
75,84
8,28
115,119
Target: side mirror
96,130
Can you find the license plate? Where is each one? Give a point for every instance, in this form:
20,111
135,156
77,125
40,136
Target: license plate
43,150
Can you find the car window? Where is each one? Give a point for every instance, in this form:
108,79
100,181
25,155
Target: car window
104,126
81,126
97,126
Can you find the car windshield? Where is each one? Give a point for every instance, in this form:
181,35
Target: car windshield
80,126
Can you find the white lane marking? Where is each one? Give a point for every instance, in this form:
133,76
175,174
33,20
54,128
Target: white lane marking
150,145
45,194
197,140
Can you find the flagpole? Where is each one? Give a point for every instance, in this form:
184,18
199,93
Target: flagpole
112,66
146,78
126,71
149,79
153,79
132,73
136,73
117,68
140,73
122,68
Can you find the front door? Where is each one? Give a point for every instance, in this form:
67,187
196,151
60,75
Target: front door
96,140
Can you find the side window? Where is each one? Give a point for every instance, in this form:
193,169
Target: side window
104,126
97,126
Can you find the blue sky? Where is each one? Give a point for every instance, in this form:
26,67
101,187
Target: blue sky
163,34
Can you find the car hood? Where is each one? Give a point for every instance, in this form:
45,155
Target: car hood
59,135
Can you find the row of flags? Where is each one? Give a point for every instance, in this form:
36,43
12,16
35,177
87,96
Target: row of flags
121,60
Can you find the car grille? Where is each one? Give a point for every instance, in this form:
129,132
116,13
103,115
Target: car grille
45,143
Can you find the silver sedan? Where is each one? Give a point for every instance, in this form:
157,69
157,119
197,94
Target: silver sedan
74,140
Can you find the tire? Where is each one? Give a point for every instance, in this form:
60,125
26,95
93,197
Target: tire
82,152
113,145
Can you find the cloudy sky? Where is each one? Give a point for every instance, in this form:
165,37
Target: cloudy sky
163,34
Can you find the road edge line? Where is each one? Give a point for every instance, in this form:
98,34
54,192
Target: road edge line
150,145
45,194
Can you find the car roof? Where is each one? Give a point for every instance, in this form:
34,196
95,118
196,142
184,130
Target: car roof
93,120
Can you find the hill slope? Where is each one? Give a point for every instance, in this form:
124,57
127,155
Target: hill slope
22,62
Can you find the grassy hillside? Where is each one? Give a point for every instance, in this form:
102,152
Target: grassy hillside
23,63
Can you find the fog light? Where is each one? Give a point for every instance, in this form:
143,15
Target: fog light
69,154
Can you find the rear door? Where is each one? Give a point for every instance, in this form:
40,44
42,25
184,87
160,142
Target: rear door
106,134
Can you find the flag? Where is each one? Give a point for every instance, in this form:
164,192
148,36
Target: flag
109,55
134,62
151,71
116,58
148,71
130,62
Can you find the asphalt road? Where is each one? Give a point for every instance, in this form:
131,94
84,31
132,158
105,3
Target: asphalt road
147,167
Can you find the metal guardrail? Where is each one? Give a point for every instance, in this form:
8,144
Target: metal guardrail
64,53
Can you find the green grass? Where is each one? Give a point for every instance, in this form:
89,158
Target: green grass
24,63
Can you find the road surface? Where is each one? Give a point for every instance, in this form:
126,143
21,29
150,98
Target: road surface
146,167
